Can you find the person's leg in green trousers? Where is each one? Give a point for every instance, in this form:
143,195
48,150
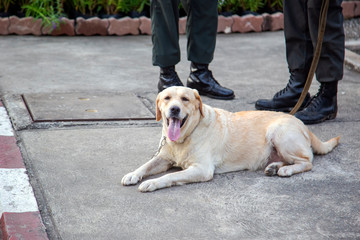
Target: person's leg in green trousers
323,105
301,20
201,34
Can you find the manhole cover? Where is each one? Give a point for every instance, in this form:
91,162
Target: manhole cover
86,107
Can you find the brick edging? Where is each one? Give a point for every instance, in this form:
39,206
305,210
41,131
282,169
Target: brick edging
133,26
142,25
20,216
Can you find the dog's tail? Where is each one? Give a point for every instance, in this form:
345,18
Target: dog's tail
320,147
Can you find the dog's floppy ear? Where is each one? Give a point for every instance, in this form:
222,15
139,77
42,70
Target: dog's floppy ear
197,96
158,112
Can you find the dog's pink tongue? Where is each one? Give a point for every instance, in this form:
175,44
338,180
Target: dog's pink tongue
174,129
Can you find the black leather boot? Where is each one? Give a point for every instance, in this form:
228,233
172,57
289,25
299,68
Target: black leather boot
286,99
168,78
201,79
323,105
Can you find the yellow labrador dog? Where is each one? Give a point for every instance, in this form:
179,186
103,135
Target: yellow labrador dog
203,140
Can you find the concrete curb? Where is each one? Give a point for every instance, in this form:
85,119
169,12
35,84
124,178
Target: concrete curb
20,216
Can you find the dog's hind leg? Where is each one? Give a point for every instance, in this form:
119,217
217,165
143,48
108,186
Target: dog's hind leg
273,168
274,162
298,167
295,153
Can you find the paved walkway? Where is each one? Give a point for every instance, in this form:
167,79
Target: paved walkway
75,164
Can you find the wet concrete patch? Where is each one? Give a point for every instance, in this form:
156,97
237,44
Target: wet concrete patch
45,107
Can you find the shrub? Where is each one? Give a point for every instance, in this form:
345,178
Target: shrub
49,11
238,6
5,4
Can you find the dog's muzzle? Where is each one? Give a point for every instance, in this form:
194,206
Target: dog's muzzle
175,123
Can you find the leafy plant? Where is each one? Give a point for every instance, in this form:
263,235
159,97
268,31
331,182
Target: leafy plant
85,7
142,4
253,5
79,6
248,5
230,5
21,3
110,6
275,4
6,4
127,6
49,11
92,4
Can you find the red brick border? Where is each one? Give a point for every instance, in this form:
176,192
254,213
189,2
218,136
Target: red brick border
20,220
10,156
133,26
348,9
26,225
24,26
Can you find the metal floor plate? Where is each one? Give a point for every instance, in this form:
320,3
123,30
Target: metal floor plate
86,107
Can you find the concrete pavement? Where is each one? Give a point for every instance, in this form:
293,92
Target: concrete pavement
75,165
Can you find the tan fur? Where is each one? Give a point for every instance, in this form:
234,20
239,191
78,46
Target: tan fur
216,141
320,147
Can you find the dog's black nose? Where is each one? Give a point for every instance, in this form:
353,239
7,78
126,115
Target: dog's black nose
175,110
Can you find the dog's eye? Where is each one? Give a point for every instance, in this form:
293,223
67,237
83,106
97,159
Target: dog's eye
167,98
185,99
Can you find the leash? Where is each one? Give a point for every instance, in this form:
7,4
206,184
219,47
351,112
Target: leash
317,52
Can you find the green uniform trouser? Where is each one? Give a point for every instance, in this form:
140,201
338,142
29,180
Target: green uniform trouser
201,30
301,21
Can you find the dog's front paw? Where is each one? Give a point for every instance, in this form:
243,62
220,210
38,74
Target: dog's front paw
149,185
131,179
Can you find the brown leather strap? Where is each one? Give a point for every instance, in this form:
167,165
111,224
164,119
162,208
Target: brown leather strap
315,61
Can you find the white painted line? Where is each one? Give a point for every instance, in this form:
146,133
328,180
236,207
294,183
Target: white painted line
16,194
5,125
